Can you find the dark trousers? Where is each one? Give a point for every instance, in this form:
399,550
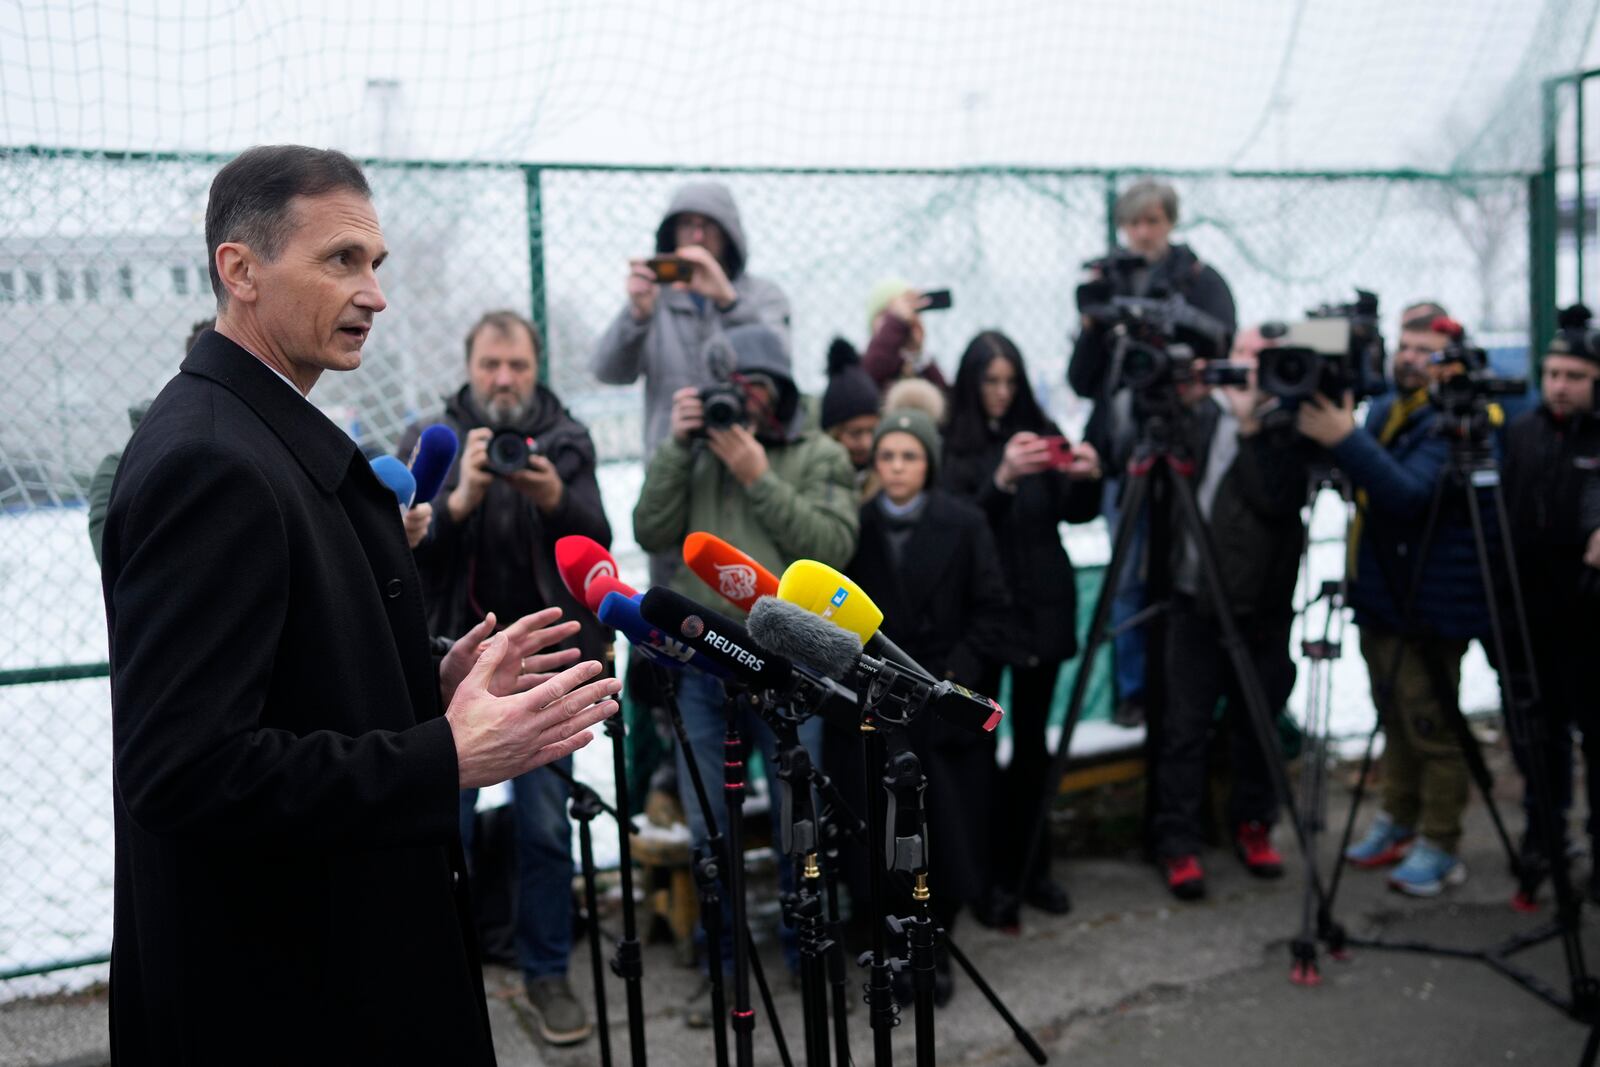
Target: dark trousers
1564,649
1199,674
1019,786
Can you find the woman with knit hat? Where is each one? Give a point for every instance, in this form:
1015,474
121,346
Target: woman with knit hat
927,559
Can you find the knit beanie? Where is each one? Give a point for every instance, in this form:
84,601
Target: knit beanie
851,391
883,292
918,424
1574,337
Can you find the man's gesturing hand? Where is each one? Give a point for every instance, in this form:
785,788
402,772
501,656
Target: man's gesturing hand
524,668
498,738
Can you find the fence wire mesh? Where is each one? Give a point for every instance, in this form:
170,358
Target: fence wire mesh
103,273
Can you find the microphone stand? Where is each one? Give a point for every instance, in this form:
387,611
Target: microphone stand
803,908
710,863
628,963
584,806
904,786
733,781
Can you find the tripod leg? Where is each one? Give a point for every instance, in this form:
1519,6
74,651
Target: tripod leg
591,904
1127,526
1585,990
1255,700
628,963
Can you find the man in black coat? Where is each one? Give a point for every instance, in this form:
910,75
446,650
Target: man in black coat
1551,452
491,549
289,878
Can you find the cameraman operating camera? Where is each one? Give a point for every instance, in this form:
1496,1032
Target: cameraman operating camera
1150,266
1250,485
524,478
1396,462
1552,451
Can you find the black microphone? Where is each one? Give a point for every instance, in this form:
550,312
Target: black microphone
730,647
790,630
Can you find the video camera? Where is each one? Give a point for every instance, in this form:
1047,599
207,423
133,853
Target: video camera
1161,339
1336,349
1463,396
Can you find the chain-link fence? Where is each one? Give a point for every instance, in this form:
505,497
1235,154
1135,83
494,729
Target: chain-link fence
103,273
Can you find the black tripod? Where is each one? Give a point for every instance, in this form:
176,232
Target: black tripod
1158,476
584,806
628,962
1316,920
1472,469
723,860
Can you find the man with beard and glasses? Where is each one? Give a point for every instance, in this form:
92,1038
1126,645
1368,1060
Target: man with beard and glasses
490,550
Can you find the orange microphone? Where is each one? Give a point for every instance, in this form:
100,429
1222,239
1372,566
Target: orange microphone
733,574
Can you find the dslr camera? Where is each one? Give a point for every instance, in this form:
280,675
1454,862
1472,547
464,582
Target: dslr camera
509,451
1336,349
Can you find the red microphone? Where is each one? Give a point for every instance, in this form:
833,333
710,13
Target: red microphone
606,584
732,573
581,560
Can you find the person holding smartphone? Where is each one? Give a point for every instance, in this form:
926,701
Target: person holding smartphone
1006,455
894,315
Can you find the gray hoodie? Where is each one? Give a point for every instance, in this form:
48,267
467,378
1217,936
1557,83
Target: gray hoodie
669,348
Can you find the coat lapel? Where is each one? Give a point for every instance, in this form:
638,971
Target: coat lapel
928,556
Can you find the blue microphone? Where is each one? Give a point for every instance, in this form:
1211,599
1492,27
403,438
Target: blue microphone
436,450
621,613
393,473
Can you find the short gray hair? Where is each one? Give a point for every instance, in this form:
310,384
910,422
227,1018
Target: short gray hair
1144,194
250,198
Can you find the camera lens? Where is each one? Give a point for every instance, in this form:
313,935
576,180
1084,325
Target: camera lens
722,407
1142,366
508,452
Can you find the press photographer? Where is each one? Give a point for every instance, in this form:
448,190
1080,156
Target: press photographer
1552,451
1396,461
525,477
1149,265
741,464
1250,483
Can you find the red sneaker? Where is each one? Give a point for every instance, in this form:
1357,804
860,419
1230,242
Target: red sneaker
1184,877
1253,841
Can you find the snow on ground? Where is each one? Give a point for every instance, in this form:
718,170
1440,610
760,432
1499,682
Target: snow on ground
55,764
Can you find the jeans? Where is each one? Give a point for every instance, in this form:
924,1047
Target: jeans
701,702
1128,601
544,868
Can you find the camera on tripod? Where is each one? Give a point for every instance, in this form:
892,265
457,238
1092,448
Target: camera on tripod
1336,349
1163,342
1466,384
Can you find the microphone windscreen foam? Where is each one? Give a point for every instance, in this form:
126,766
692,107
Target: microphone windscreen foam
393,473
790,630
604,584
436,450
580,560
828,594
733,574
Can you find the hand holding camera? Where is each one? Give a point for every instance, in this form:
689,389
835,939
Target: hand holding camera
508,454
1325,422
475,475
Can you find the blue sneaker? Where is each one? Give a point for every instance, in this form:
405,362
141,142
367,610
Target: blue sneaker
1385,844
1427,870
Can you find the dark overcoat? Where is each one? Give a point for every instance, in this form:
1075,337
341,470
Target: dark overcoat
289,879
946,605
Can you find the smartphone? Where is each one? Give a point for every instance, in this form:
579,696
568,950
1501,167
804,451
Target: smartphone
935,300
669,269
1060,452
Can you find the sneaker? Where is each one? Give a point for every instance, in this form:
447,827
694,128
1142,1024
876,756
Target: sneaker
1384,845
1253,842
1427,870
562,1020
998,909
1185,877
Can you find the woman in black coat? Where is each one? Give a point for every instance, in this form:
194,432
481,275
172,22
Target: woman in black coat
928,561
1007,456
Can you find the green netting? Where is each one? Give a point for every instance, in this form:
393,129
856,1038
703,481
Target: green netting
1317,146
